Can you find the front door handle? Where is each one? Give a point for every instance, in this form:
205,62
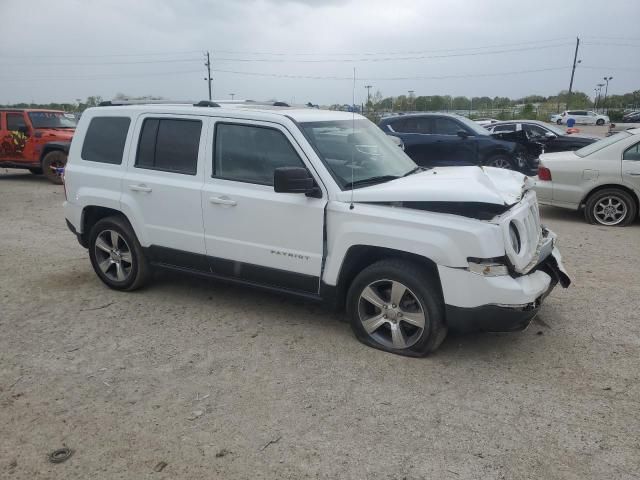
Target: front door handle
222,201
635,174
140,188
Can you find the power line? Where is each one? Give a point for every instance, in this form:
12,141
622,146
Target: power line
417,77
96,77
140,62
148,54
409,52
386,59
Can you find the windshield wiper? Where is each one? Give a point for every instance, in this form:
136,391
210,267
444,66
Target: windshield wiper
371,181
414,170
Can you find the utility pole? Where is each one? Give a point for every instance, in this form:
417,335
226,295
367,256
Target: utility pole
411,99
599,89
208,77
232,95
368,87
606,90
573,70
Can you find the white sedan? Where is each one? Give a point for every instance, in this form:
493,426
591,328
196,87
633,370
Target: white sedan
581,117
603,177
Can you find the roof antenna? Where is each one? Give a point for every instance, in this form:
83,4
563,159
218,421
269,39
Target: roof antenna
353,130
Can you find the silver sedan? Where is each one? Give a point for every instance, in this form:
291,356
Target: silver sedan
603,177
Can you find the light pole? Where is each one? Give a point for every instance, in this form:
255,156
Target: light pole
368,87
232,95
599,90
606,90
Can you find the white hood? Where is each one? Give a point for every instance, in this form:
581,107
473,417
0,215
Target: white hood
448,184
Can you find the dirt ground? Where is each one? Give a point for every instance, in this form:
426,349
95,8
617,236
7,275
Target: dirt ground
222,382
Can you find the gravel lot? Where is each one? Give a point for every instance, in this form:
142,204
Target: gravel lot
224,382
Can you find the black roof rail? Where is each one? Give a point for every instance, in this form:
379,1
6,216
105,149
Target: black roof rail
206,103
114,103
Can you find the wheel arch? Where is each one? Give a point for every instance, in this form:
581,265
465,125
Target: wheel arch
618,186
54,146
91,214
359,257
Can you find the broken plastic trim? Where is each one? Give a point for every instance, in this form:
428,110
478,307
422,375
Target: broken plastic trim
477,210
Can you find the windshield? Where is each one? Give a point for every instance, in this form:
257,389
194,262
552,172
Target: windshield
52,120
554,129
471,125
359,150
600,144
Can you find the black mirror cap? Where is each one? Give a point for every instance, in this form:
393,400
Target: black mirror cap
293,180
463,133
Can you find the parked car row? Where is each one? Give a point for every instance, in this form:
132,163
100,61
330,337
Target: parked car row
629,121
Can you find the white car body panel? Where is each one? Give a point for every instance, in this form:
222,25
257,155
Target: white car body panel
311,236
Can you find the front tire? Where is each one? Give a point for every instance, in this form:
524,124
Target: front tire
611,207
559,122
116,255
600,122
52,163
395,306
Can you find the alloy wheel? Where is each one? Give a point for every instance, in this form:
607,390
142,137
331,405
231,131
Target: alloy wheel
391,314
500,162
610,210
113,255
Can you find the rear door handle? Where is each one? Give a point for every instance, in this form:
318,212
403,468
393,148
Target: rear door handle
222,201
140,188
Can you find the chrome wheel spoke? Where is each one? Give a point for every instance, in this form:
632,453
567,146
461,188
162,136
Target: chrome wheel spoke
114,239
126,257
105,264
414,318
371,296
102,245
374,323
397,336
397,292
120,275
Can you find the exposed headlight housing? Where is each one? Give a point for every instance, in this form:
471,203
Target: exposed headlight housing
514,236
487,267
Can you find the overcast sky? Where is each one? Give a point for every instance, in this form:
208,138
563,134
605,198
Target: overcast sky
64,50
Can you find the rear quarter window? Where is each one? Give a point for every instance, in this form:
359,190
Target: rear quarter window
105,139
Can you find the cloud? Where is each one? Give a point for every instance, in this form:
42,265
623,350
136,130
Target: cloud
242,35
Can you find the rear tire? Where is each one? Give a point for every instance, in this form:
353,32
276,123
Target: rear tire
558,122
499,161
116,254
600,122
51,163
611,207
395,306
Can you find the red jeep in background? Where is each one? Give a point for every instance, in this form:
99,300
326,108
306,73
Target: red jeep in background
36,139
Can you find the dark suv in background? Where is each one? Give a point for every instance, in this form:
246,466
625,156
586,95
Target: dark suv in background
442,139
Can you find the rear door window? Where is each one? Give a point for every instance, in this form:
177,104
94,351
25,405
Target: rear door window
505,128
169,145
105,139
533,129
15,121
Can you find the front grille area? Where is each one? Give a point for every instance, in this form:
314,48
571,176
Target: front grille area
526,217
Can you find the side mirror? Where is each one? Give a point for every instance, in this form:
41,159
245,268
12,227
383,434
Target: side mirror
397,141
549,135
463,133
294,180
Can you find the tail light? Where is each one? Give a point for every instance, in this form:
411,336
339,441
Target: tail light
544,174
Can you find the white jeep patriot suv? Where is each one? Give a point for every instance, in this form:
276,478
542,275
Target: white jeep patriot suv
319,204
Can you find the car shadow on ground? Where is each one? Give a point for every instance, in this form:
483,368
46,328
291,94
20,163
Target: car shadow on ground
8,175
336,322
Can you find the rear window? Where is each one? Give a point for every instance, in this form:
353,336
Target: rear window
600,144
105,139
170,145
